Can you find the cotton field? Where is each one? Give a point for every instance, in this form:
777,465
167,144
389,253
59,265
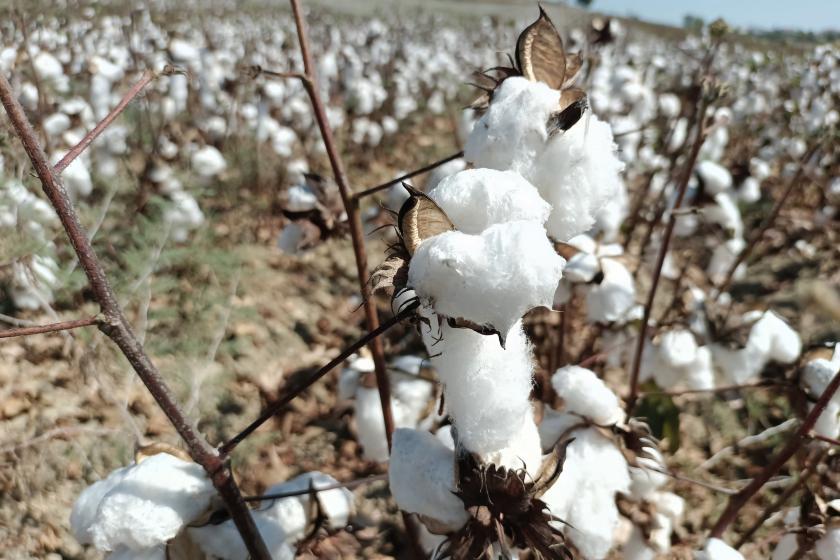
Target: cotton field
379,280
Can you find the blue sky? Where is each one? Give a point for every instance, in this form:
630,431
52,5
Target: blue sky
813,15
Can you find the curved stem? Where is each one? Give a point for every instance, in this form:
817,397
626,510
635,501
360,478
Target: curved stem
351,205
116,327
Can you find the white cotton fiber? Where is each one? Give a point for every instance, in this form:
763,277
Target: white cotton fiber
577,174
828,547
225,543
489,279
816,376
614,296
575,171
512,133
337,504
582,267
421,475
208,161
716,549
141,505
647,478
584,494
677,347
486,388
584,394
475,199
438,173
300,198
723,257
716,178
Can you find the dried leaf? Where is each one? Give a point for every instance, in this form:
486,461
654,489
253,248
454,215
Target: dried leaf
573,103
419,219
391,275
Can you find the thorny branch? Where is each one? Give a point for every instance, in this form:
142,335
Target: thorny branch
116,327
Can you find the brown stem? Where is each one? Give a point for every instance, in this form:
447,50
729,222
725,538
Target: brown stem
768,222
115,326
826,439
68,158
794,443
52,327
409,175
663,252
291,392
780,501
351,205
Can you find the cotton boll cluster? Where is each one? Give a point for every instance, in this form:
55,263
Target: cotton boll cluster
675,360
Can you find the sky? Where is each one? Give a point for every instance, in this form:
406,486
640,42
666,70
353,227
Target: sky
809,15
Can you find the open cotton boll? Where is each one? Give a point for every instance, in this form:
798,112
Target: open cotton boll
636,547
583,393
300,198
725,213
647,478
716,178
669,105
337,504
577,174
678,347
780,340
716,549
487,389
224,542
614,297
143,505
750,190
421,476
33,282
816,376
208,162
184,215
584,495
828,547
475,199
723,257
76,177
489,279
512,132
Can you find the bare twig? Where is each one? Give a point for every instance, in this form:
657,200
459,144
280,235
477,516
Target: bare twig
781,500
768,222
793,445
291,392
409,175
663,252
115,326
749,441
351,205
74,152
52,327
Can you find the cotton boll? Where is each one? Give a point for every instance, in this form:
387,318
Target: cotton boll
781,341
183,216
486,387
828,547
759,169
337,504
716,178
613,298
489,279
475,199
33,283
637,548
300,198
442,171
725,213
512,132
584,494
723,257
225,543
669,105
738,365
646,478
208,162
816,376
56,124
76,177
149,504
716,549
577,173
584,394
582,267
421,476
677,347
786,548
678,135
750,190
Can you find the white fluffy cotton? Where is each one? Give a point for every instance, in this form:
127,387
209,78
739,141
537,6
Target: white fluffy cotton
208,162
475,199
614,297
141,505
584,394
816,376
489,279
584,494
716,549
421,475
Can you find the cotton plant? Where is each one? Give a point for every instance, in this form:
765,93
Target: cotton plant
823,539
816,375
163,501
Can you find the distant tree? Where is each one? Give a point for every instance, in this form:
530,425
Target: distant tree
693,23
585,3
